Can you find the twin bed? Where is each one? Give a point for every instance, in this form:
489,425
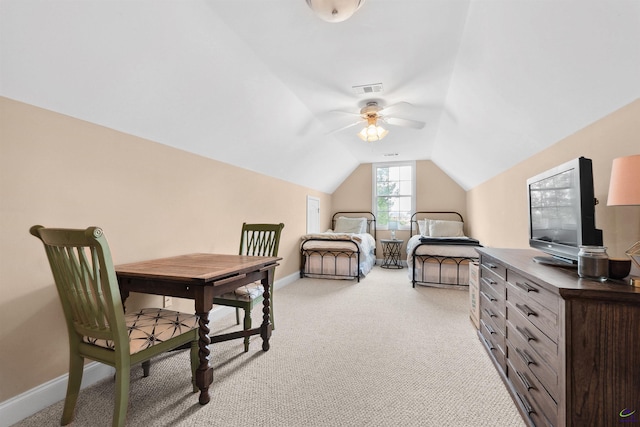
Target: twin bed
438,252
346,251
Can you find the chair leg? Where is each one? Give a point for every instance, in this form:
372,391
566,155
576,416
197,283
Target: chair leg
237,316
122,393
247,325
146,367
76,366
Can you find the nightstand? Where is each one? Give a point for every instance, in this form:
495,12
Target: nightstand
391,252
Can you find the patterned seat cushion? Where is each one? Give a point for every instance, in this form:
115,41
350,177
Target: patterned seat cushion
245,293
151,326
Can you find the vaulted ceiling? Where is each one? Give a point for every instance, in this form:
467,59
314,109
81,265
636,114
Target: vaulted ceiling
263,84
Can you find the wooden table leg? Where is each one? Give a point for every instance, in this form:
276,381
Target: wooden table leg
265,328
204,373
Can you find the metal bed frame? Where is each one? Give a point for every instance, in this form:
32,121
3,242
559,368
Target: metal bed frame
440,259
332,255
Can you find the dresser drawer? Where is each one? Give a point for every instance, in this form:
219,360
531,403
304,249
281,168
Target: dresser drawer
519,349
546,320
489,264
532,290
490,314
519,328
493,294
540,409
489,342
495,335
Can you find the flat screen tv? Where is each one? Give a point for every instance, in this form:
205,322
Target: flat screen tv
562,212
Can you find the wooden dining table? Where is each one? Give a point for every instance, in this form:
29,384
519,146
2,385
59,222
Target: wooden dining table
201,277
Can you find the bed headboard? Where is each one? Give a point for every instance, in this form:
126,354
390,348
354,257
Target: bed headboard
445,215
371,220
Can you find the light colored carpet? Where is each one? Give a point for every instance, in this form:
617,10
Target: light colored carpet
374,353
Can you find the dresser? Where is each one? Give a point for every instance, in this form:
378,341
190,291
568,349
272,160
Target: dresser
567,349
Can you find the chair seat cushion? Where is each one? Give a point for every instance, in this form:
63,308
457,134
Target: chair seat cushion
244,293
151,326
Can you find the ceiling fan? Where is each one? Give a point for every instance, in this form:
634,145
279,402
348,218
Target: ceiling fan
372,114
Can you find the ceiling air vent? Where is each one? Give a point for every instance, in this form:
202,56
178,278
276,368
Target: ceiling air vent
367,89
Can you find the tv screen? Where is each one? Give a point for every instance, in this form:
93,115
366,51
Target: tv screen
562,211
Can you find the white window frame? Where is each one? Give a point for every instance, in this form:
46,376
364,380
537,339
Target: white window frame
374,188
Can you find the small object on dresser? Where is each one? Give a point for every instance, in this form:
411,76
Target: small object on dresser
619,268
593,263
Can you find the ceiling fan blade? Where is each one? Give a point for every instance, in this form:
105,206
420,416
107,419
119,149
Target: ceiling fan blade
394,106
351,113
396,121
345,127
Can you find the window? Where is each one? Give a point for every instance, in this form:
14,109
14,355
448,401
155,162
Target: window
393,194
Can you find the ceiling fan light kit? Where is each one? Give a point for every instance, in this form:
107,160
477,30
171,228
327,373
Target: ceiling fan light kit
372,132
371,113
335,10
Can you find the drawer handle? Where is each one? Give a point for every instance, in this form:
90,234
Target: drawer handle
525,333
488,344
525,403
490,265
527,287
489,297
523,379
489,329
526,358
491,281
525,309
490,313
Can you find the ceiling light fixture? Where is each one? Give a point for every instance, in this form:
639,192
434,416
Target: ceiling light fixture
372,132
335,10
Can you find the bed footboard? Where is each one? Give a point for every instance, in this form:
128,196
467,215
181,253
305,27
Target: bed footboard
439,270
334,263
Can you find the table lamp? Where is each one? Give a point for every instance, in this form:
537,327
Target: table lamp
393,226
624,190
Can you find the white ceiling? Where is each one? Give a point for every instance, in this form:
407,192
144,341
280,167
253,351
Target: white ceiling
255,83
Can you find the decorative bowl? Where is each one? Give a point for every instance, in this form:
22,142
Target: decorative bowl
619,268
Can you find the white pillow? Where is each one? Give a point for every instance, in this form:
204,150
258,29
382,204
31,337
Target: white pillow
350,225
423,226
441,228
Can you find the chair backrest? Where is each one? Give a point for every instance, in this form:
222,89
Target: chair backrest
86,280
260,239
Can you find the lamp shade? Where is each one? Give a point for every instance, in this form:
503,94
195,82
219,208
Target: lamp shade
624,187
335,10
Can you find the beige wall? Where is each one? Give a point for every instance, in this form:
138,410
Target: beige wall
151,200
154,201
435,191
498,208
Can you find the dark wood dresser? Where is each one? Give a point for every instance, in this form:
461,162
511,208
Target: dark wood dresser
567,349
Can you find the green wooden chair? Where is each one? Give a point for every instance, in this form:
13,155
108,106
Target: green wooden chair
255,240
98,328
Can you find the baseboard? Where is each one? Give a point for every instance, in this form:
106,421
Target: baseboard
28,403
31,401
